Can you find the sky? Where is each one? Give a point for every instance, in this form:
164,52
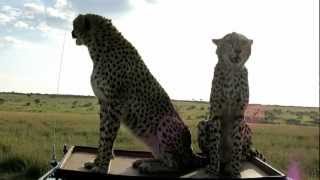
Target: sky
174,39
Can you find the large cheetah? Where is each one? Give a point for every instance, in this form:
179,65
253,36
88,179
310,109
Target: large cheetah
225,137
129,94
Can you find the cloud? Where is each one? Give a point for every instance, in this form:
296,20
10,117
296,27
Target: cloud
62,9
30,10
37,20
8,14
21,24
152,1
43,27
60,15
9,41
4,19
109,7
10,11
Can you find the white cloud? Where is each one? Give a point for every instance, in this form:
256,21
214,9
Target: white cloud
21,24
61,9
11,11
9,41
43,27
111,8
4,19
60,15
60,4
33,8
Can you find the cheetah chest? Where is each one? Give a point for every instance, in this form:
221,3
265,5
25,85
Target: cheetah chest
232,87
233,91
96,84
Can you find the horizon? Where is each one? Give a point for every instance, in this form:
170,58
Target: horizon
173,39
184,100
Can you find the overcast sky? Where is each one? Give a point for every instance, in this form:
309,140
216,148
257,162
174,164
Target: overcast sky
174,39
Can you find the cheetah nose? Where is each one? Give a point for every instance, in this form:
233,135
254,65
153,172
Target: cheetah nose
238,51
73,35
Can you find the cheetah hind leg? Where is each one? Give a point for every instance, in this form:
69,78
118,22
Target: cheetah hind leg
256,153
232,168
152,166
202,137
138,162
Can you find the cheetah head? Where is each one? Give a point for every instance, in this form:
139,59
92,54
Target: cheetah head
233,49
85,27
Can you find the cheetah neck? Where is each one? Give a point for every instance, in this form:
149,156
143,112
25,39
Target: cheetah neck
229,67
107,45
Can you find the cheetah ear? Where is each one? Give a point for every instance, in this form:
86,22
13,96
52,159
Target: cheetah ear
250,41
86,23
216,41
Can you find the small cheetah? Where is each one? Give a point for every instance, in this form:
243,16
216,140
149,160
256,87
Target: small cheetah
129,94
225,138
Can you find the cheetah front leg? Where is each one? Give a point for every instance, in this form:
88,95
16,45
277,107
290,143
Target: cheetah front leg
109,125
213,146
203,137
232,168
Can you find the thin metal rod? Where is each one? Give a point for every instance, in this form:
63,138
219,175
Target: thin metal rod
61,62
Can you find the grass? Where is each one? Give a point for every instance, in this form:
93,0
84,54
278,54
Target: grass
27,134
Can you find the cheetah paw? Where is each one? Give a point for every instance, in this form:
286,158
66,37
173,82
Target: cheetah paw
95,169
145,168
137,163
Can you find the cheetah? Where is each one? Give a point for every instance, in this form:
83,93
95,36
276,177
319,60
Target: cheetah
129,94
225,137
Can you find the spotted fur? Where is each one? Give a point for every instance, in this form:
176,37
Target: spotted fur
225,137
129,94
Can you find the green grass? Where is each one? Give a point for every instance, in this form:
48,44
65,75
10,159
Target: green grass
27,136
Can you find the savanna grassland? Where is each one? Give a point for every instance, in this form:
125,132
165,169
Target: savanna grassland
31,123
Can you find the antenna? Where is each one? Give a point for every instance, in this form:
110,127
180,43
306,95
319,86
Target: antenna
54,161
61,62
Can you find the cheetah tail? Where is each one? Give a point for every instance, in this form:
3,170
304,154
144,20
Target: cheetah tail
255,153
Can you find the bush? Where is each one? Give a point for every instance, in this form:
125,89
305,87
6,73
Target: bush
202,117
12,164
269,116
87,105
191,107
37,101
2,101
74,103
293,121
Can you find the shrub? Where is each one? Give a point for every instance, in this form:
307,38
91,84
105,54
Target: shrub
74,103
2,101
202,117
293,121
191,107
37,101
12,164
87,105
